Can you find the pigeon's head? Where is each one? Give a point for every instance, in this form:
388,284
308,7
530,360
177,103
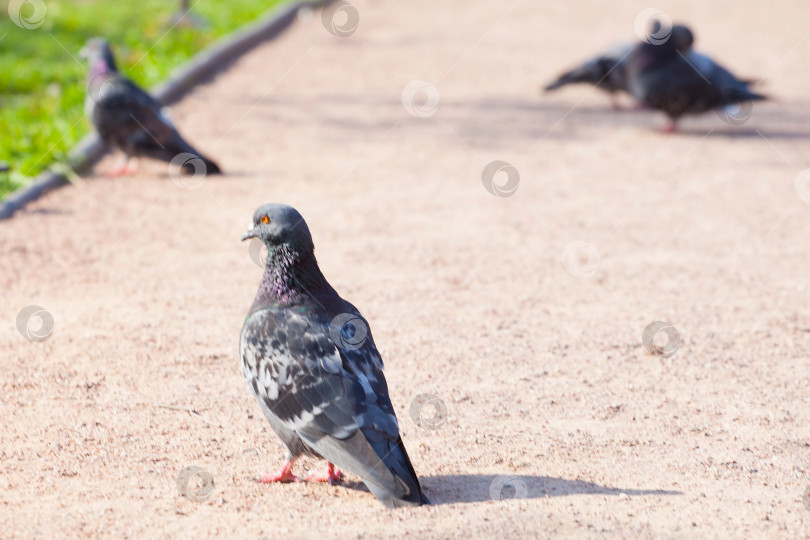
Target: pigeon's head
277,224
97,52
682,38
671,37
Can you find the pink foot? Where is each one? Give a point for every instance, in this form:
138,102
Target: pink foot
117,171
331,475
132,168
283,476
669,127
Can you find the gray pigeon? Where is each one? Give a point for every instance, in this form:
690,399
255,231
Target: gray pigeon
605,71
128,118
310,360
672,78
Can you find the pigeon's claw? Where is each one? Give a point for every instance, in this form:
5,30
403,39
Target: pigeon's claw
283,476
331,475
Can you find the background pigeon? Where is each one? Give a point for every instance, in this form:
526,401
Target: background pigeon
605,72
310,360
674,79
128,118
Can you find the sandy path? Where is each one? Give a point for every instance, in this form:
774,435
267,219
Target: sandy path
543,373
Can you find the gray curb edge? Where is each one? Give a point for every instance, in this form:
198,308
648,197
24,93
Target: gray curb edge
182,80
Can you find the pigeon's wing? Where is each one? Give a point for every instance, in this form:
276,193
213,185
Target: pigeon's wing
127,116
329,398
716,73
680,86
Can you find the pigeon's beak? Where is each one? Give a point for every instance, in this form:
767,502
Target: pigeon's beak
250,233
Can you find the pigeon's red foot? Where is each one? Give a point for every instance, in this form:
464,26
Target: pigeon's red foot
670,127
283,476
124,167
132,167
331,475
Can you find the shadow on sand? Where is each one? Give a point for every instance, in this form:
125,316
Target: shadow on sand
469,488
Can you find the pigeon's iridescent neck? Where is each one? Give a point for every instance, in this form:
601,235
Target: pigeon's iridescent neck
99,67
290,277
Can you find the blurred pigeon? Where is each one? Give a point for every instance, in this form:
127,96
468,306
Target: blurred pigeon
128,118
605,71
310,360
672,78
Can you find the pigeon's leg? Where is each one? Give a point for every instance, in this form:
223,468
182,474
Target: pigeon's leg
670,126
332,475
120,167
133,166
615,103
284,475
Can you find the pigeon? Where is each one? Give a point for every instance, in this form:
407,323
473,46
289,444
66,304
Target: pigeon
128,118
310,360
672,78
605,71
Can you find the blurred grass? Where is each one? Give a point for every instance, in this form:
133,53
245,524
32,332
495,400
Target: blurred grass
42,88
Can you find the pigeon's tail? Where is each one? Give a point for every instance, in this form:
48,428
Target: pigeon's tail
396,459
588,73
210,166
381,463
739,94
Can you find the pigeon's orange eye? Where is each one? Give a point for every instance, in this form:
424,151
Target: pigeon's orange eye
265,220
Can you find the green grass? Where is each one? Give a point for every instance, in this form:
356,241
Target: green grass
43,85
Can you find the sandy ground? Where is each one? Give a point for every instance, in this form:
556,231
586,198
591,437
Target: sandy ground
530,344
